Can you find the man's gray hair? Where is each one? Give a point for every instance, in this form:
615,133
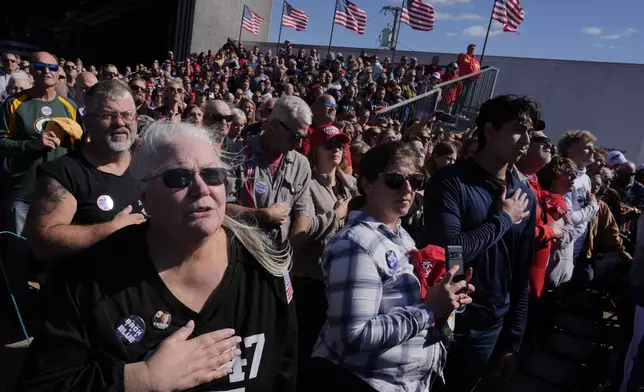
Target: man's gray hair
147,162
19,75
105,90
238,115
292,109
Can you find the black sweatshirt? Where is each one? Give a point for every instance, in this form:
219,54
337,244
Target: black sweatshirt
460,209
77,347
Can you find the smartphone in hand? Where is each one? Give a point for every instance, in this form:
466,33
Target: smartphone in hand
454,256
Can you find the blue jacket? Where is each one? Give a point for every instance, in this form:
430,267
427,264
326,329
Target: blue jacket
461,209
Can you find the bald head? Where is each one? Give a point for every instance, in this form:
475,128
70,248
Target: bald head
84,81
324,110
267,107
44,76
218,115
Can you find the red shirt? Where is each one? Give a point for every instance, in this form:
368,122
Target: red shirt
468,64
543,239
450,94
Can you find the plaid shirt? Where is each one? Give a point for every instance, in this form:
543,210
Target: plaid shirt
377,325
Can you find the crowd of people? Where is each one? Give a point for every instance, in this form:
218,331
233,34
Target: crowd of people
246,221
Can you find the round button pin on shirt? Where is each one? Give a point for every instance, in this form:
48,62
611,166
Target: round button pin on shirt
161,319
130,329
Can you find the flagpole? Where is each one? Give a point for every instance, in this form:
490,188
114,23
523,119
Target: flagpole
241,24
487,35
279,36
397,32
335,8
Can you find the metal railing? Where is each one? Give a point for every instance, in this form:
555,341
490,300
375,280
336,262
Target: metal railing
461,98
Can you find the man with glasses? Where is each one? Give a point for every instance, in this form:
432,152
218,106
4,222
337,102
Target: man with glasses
109,72
218,116
139,88
90,193
271,185
9,66
539,155
71,73
23,140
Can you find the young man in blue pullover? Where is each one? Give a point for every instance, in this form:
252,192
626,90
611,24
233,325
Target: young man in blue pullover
481,205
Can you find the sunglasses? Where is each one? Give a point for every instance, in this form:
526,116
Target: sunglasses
543,140
10,61
182,178
111,74
330,105
333,144
41,66
138,89
395,180
219,118
294,135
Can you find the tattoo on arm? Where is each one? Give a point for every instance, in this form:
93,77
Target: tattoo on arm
50,195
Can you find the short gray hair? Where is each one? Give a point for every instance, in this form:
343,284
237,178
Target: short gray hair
238,115
291,109
19,75
105,90
145,164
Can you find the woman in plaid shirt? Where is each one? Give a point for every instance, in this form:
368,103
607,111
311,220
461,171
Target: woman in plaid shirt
378,334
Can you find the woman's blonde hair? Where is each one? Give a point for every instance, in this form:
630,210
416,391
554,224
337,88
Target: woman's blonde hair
145,164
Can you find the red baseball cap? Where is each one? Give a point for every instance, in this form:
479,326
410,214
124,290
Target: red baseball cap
324,133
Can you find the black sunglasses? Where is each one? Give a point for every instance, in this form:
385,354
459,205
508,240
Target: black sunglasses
543,140
182,178
294,135
137,89
395,180
333,144
220,118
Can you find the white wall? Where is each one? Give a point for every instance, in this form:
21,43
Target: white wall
604,98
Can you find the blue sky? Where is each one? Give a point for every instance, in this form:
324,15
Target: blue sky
591,30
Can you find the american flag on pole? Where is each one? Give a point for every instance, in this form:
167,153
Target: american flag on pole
418,15
251,21
509,13
349,15
294,18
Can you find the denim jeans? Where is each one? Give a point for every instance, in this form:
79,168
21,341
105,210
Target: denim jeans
468,358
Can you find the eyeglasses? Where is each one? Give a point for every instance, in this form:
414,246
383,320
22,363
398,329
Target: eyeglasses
219,118
42,66
110,118
176,90
294,135
111,75
395,180
330,105
543,140
10,61
333,144
182,178
137,89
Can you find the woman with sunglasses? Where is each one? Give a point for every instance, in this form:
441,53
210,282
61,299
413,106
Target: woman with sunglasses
379,334
191,299
173,105
331,189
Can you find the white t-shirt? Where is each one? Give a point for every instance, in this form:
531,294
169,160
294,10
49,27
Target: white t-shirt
578,199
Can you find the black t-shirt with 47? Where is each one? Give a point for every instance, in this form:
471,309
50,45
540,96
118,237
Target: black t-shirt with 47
99,195
111,308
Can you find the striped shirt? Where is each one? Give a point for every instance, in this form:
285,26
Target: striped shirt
377,325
